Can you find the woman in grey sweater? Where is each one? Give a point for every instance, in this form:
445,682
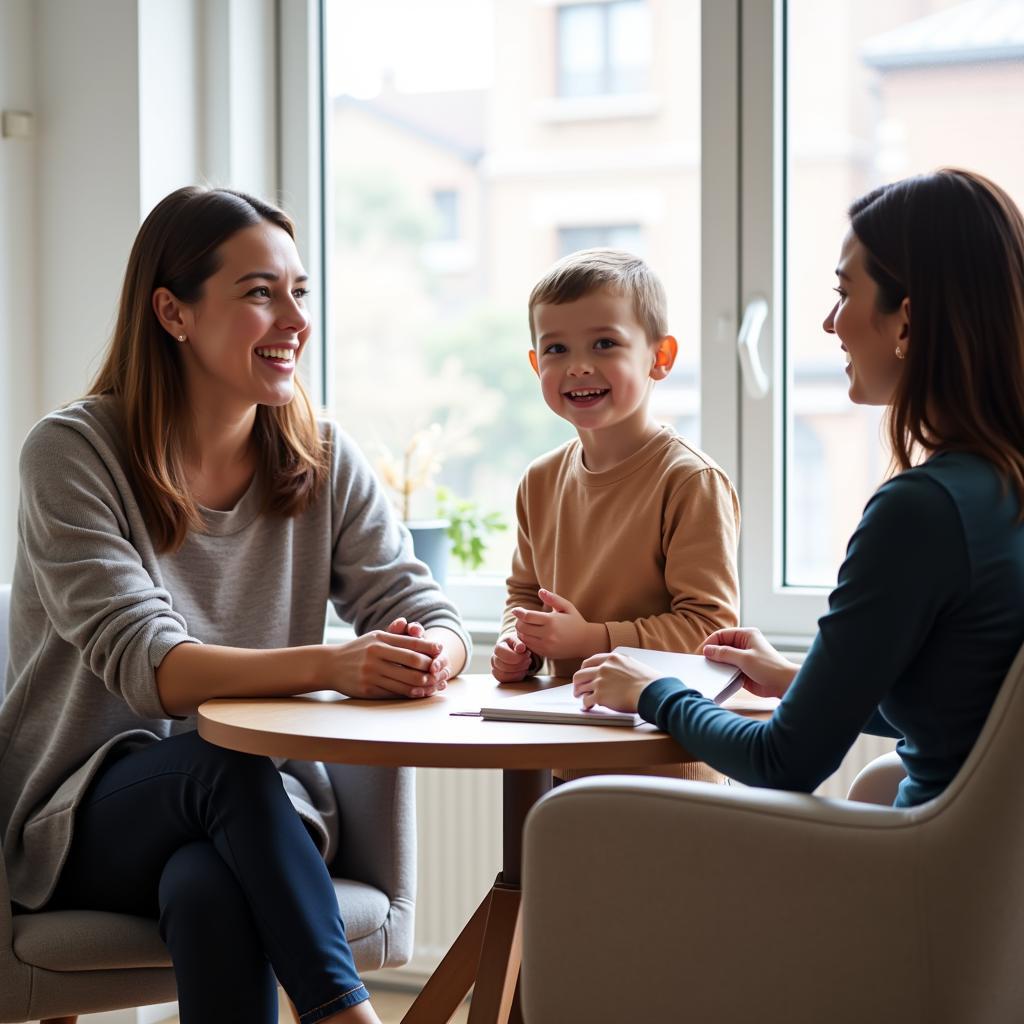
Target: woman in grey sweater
181,531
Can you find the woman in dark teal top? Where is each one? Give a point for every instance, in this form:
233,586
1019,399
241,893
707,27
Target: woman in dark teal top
928,612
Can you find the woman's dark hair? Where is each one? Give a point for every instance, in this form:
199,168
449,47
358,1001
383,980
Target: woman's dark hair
178,248
952,242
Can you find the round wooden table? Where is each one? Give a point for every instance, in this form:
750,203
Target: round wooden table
431,733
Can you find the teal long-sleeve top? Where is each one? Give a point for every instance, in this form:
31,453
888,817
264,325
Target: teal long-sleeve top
922,627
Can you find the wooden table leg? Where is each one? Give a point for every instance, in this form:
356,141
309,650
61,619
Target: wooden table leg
489,949
451,981
498,972
515,1015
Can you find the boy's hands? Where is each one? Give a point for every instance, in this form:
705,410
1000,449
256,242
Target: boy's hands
511,660
561,632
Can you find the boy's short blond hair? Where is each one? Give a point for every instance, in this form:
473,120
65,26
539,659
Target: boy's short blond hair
589,270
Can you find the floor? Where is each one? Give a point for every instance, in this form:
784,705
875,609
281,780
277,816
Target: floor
390,1005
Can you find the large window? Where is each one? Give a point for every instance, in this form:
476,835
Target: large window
451,189
469,143
903,87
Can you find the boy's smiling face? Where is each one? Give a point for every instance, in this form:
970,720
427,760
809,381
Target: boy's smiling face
594,360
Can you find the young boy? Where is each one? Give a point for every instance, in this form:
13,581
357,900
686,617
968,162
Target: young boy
627,536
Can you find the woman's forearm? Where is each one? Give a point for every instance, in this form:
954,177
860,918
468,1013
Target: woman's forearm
193,673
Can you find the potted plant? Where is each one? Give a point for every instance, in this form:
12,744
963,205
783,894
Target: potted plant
468,527
408,474
458,526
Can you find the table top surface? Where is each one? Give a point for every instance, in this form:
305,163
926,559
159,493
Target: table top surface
426,734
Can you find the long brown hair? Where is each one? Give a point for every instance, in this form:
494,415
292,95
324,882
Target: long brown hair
177,248
952,242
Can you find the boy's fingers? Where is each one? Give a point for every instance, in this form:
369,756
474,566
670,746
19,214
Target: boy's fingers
553,600
532,617
510,658
524,630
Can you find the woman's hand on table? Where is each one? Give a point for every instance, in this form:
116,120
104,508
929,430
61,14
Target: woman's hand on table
766,673
395,662
511,660
612,680
440,668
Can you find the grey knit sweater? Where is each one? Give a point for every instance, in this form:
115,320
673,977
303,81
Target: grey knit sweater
95,609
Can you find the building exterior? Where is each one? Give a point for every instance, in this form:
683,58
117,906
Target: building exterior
589,134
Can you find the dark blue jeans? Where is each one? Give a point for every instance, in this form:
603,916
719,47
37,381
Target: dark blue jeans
206,840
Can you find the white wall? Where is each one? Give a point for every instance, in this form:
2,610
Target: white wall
131,99
18,381
171,79
87,95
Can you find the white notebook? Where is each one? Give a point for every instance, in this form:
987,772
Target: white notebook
558,706
716,682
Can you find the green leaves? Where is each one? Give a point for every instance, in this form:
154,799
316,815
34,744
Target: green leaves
468,527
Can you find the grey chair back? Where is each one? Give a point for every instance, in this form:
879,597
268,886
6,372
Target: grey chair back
754,904
55,964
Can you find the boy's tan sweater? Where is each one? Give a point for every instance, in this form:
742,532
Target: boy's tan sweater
647,547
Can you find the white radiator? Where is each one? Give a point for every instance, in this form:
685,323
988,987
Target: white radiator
459,838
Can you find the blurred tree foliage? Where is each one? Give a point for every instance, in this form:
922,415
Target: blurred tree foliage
370,204
491,346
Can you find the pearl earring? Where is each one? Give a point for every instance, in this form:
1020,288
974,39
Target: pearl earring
900,354
181,337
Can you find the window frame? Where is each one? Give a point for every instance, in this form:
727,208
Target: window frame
301,163
742,197
780,610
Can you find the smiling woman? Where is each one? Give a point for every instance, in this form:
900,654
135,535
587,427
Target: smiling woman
226,284
928,613
874,338
182,530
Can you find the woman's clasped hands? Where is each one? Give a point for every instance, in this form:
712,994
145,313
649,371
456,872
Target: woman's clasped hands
399,661
616,681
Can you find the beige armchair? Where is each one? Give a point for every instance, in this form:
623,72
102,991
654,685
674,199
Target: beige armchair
55,965
651,900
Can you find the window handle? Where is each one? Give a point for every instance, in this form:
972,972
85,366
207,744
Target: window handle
748,341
